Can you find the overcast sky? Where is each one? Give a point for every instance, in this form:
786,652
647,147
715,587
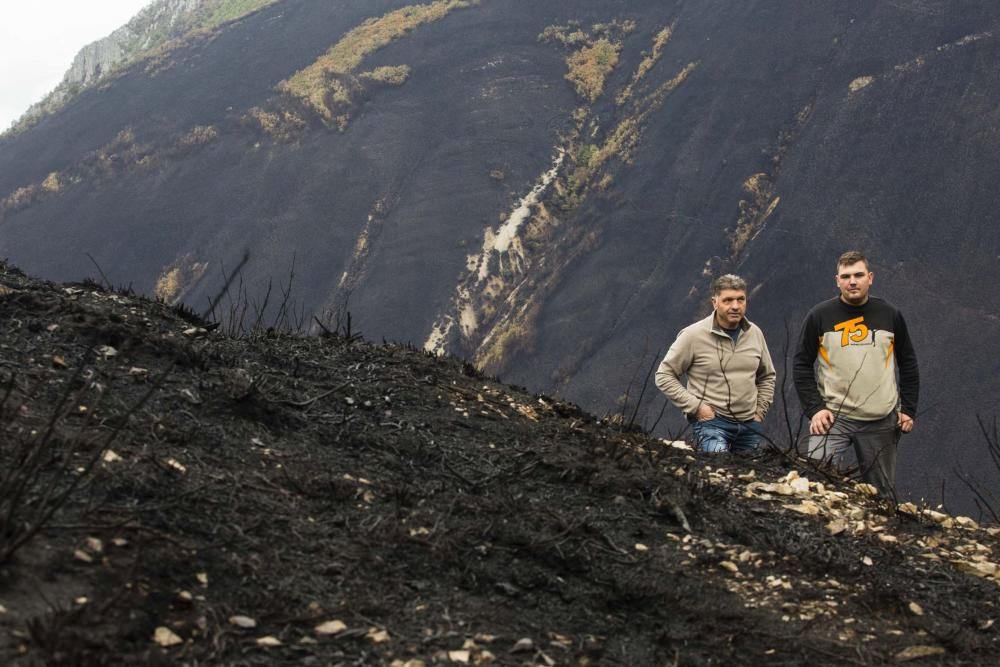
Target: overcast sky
38,39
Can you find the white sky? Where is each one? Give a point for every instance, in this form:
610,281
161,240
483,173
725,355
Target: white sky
39,38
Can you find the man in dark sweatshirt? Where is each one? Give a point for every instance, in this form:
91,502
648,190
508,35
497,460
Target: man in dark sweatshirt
845,374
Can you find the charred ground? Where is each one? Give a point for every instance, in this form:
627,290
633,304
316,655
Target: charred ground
762,138
235,497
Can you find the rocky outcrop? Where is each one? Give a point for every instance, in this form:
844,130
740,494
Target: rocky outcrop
160,20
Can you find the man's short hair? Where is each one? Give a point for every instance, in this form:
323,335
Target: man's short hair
728,281
853,257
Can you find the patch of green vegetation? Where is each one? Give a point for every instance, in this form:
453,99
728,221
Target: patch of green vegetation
621,140
586,154
590,66
572,34
659,43
596,52
217,12
280,125
567,35
200,135
122,155
312,84
393,76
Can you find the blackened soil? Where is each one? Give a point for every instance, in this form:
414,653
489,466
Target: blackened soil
244,493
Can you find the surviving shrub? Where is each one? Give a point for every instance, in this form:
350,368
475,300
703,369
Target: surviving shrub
590,66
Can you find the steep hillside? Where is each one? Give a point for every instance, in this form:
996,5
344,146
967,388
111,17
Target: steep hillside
158,28
547,188
179,496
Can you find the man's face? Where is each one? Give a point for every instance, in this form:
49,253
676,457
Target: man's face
854,281
730,307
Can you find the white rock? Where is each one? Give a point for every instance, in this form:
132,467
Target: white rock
524,644
330,627
165,637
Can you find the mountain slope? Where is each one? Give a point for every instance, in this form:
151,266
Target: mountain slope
547,190
279,500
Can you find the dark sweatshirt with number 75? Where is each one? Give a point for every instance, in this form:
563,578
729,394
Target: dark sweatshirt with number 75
847,359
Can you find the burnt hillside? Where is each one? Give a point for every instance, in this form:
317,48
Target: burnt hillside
181,496
547,188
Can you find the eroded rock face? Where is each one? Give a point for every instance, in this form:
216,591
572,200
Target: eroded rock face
548,188
95,60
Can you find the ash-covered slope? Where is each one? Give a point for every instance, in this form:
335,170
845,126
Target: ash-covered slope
280,500
547,188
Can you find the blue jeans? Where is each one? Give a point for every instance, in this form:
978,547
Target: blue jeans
720,435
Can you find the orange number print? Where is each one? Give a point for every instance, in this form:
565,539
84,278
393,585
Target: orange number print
852,330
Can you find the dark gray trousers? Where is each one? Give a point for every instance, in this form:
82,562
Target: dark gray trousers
874,446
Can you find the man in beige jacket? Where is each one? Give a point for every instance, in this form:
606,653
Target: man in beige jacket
730,376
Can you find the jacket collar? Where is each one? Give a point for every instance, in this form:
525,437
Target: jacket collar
714,326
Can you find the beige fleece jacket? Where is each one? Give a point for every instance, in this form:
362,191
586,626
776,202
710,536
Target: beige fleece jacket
735,378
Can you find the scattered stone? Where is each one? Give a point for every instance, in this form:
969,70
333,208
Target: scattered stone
377,636
191,396
522,645
836,527
105,352
866,489
806,507
166,637
330,628
917,652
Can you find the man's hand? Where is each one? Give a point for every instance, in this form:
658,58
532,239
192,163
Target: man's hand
821,422
705,412
905,422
